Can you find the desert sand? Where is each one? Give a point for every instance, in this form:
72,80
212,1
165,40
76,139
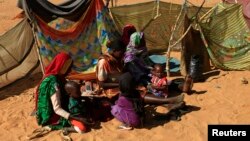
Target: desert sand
221,99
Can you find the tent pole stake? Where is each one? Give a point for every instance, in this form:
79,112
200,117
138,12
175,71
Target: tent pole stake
171,38
37,48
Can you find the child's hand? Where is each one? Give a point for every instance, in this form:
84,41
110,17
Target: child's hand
154,86
82,89
149,86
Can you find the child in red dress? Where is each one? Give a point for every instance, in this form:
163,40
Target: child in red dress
159,82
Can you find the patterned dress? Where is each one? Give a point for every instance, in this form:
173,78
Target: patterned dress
45,114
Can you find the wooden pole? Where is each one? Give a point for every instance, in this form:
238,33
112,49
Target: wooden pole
112,3
37,47
158,14
170,39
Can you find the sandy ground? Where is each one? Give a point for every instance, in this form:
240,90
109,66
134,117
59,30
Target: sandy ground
222,99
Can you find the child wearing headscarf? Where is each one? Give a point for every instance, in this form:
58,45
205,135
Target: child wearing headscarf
136,47
50,94
127,31
51,98
134,57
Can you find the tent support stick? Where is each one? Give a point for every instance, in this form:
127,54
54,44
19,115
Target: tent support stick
185,33
158,14
171,38
112,3
208,12
37,49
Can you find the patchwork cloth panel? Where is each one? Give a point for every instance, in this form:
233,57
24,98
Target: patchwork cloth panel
228,37
85,40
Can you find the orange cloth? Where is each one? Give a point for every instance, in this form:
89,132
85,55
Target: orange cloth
78,124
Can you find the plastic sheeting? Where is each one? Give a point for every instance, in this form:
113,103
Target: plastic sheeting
18,57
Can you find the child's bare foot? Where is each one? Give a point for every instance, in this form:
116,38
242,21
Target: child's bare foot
125,127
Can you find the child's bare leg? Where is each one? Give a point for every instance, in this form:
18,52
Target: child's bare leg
152,99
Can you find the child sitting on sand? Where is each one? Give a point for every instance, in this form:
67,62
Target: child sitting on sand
76,108
159,83
128,109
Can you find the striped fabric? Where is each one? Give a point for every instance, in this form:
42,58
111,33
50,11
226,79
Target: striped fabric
227,37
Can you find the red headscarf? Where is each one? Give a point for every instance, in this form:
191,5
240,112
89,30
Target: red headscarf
53,68
126,32
57,63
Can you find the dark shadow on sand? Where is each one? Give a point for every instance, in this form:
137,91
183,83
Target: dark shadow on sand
210,74
155,119
19,86
197,92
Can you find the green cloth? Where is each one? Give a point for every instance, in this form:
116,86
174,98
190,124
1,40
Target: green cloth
227,37
44,106
76,107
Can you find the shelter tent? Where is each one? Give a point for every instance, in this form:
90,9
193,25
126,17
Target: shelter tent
18,57
245,8
227,37
156,20
228,51
81,31
82,28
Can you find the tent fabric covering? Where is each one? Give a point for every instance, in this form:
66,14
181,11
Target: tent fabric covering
17,55
192,44
158,31
161,59
227,37
85,40
246,8
82,28
71,10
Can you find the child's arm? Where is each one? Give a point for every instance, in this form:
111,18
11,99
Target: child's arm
56,103
108,85
164,87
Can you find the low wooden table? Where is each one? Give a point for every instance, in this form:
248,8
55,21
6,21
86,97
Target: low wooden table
86,94
93,78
